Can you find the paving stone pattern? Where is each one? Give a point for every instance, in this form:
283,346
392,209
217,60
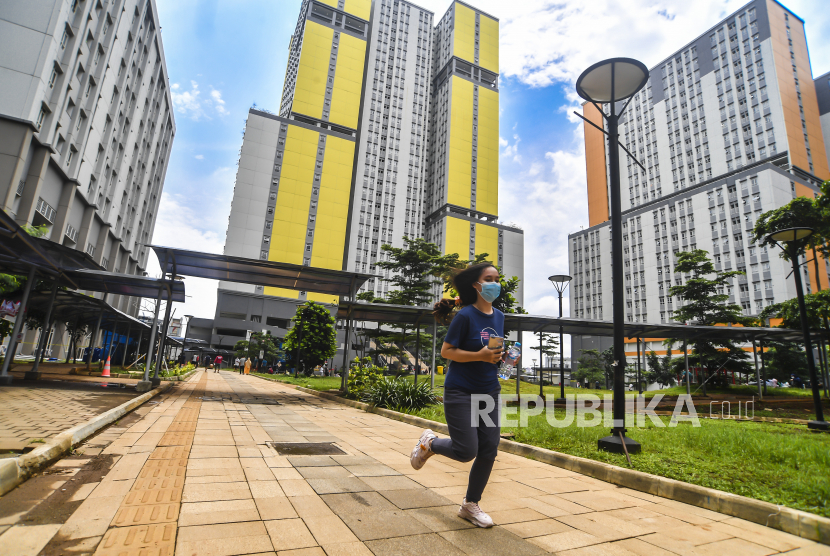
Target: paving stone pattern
195,476
40,412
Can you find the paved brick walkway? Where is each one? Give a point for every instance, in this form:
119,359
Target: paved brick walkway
194,476
41,410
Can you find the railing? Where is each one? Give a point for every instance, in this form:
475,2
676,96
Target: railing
45,209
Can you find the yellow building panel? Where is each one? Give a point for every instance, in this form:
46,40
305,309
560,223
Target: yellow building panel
323,298
312,73
464,33
333,206
281,292
459,169
488,43
348,80
288,235
360,8
457,237
487,241
487,162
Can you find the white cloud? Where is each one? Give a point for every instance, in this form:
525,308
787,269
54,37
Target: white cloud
550,201
218,103
544,42
511,151
199,225
199,157
192,105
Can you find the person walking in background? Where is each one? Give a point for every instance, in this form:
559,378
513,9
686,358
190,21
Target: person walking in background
248,366
472,379
217,363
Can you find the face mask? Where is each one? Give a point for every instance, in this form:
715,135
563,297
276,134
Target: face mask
490,291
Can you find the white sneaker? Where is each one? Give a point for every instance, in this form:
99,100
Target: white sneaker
422,450
472,513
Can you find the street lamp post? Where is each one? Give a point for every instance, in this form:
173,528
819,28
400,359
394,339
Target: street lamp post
184,340
790,237
539,369
611,82
560,282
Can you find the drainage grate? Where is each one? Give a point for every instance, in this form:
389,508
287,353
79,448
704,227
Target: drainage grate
261,401
306,448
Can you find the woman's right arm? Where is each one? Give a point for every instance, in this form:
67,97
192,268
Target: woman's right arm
449,351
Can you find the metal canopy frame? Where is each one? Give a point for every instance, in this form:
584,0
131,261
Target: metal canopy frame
182,262
404,314
127,284
20,252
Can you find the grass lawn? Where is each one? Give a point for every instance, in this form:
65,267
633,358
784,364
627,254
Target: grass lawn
315,383
777,463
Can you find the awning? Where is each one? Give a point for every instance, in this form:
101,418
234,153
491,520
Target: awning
260,273
19,252
126,284
74,307
403,314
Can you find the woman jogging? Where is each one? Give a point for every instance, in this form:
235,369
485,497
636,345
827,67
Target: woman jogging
473,372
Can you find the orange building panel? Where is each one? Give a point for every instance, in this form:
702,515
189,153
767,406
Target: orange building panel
789,95
804,191
598,207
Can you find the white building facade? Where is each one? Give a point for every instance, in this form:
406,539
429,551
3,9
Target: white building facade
87,125
727,128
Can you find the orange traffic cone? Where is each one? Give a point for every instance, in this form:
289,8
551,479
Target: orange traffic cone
106,368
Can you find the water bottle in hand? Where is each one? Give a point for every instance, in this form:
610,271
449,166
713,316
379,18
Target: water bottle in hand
512,356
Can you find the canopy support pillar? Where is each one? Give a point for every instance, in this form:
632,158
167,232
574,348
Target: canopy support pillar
33,373
5,377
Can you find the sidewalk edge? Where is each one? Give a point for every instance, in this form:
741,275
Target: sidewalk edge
14,471
795,522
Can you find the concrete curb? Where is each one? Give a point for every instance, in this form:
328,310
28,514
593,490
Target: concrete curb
14,471
795,522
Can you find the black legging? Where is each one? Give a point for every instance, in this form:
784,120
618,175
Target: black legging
467,442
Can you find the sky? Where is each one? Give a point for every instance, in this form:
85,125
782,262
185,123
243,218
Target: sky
225,56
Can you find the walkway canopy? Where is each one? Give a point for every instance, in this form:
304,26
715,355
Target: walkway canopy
126,284
181,262
406,315
19,252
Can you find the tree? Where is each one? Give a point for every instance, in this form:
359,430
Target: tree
314,333
259,342
801,212
608,358
660,369
591,367
549,347
704,302
415,270
784,359
817,305
77,332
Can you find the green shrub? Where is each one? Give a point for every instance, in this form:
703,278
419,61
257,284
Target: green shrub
400,394
362,375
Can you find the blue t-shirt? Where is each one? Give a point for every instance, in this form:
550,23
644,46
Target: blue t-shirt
470,330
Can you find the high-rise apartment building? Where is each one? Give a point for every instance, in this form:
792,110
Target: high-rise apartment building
87,125
822,84
463,191
727,127
387,128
